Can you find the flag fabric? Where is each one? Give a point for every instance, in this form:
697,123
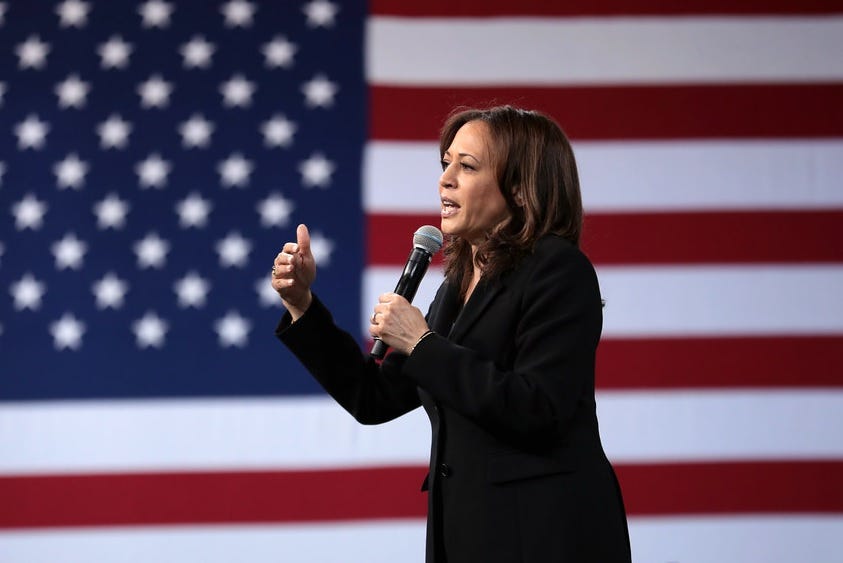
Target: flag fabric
154,156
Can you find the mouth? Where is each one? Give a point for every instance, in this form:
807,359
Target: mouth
449,207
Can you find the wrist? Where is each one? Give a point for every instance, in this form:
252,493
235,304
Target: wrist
298,308
422,337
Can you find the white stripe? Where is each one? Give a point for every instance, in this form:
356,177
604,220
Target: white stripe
742,539
724,539
371,542
108,436
73,437
401,177
722,300
623,50
652,426
687,300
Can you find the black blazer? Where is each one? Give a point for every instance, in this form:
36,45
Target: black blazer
517,470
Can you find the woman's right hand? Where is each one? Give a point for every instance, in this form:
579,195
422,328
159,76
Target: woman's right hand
293,273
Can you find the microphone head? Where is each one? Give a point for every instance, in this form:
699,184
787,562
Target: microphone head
428,238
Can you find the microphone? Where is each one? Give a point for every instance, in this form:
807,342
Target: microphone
427,241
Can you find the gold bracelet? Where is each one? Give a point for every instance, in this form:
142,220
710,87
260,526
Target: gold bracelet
422,337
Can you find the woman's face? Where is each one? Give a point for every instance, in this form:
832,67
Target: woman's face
472,203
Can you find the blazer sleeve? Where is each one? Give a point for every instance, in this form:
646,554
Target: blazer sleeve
557,329
371,393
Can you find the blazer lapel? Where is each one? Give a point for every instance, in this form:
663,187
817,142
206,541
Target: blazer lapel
480,299
444,309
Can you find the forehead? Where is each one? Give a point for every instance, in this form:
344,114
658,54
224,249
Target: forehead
474,138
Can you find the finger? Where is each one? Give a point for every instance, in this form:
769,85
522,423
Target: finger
282,263
303,239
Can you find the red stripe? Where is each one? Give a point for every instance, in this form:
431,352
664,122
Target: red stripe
714,237
627,112
449,8
663,238
758,362
181,498
375,493
719,363
728,488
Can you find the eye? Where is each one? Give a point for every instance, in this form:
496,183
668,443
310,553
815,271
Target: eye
444,164
466,166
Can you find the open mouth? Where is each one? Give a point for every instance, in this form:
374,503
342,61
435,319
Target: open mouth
449,207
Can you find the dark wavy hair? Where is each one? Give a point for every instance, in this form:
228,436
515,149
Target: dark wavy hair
537,176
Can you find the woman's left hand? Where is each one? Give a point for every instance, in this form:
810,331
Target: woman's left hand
397,323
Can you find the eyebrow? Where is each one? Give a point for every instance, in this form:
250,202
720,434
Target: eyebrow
464,154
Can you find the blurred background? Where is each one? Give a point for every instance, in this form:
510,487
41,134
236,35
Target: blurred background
156,155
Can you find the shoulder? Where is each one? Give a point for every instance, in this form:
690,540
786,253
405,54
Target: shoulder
558,267
553,250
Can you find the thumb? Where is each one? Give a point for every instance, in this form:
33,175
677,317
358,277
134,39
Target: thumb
303,239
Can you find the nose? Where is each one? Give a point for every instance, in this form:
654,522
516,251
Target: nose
446,180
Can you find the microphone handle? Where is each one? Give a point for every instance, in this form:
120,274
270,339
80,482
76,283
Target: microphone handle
406,287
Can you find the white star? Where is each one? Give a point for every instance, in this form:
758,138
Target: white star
69,252
316,171
110,291
151,251
234,171
233,250
279,52
150,330
115,53
67,332
153,171
320,13
155,92
111,212
31,132
197,53
196,132
321,247
155,13
278,131
267,296
275,210
238,13
319,92
192,290
70,172
32,53
114,132
72,92
73,13
233,330
237,92
29,213
27,293
193,211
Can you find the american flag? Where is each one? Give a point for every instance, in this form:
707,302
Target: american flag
155,155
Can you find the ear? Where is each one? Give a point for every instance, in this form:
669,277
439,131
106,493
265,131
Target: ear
517,196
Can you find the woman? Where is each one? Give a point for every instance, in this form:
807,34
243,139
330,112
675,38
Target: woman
504,361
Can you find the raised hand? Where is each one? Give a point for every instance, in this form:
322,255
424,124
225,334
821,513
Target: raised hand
293,273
